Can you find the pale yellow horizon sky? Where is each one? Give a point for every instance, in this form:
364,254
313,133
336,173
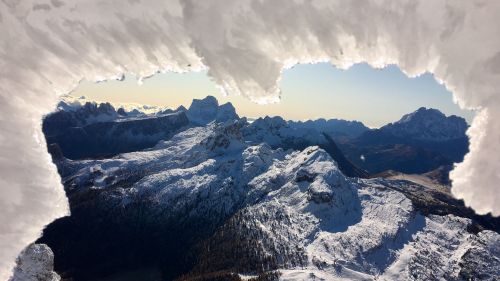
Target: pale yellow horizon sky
374,97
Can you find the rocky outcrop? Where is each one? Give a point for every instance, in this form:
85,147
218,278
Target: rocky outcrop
35,263
204,111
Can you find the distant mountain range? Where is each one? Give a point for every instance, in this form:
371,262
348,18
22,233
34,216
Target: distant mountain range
222,198
333,127
427,125
72,103
419,142
98,130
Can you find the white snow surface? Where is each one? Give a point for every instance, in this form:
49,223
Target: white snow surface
349,229
275,130
35,263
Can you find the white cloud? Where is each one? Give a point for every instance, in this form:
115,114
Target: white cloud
46,47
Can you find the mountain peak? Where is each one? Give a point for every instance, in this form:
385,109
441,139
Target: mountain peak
226,112
181,108
335,127
422,112
428,124
210,101
206,110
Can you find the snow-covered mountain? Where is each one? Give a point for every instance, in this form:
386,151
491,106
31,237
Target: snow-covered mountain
72,103
279,133
88,113
333,127
95,130
204,111
419,142
79,112
428,125
230,200
101,139
215,197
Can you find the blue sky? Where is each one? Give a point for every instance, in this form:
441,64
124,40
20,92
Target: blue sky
309,91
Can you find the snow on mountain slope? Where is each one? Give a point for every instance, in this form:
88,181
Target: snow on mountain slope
275,131
85,111
72,103
35,263
203,111
86,114
420,142
441,250
334,127
79,112
428,125
110,138
351,228
293,211
444,250
337,220
278,133
183,148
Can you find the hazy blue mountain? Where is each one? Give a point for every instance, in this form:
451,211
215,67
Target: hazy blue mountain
98,130
89,113
104,139
204,111
419,142
427,125
333,127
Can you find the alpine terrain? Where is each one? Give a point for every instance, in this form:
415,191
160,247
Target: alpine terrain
217,197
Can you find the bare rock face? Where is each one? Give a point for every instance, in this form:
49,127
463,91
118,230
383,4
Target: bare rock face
35,263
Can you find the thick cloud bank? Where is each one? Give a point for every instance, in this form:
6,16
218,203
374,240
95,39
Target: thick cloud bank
47,46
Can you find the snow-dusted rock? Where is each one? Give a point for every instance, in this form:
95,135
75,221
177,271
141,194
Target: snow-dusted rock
35,263
276,131
204,111
428,125
443,250
334,127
